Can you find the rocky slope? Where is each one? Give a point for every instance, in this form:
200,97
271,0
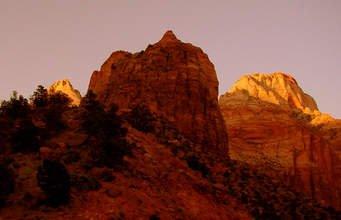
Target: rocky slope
65,86
270,123
174,79
154,184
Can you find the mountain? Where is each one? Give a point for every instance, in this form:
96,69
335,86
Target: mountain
65,87
167,174
277,88
150,142
271,123
173,79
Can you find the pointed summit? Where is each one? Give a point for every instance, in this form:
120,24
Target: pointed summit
169,36
65,86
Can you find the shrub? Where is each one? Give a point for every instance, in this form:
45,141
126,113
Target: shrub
154,217
141,118
107,176
7,183
84,183
110,152
71,156
53,178
24,137
195,164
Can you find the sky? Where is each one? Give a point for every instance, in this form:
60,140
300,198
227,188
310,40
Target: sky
42,41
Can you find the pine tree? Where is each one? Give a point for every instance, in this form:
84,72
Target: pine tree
40,97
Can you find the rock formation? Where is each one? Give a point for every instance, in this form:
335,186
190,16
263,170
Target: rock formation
65,86
174,79
277,88
270,123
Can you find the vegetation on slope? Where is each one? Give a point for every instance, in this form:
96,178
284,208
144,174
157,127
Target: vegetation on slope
30,125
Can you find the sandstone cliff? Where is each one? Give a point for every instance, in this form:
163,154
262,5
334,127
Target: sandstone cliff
174,79
65,86
270,123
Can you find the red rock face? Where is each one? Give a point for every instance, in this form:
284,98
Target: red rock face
174,79
281,139
332,132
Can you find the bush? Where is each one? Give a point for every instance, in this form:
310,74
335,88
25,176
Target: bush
85,183
154,217
7,183
54,179
142,119
195,164
24,137
110,152
71,156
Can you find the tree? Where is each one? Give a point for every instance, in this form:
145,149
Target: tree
24,137
93,115
58,103
7,183
106,129
97,122
16,107
54,179
17,129
40,97
49,108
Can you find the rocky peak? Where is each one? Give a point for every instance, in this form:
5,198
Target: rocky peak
168,37
277,88
65,86
174,79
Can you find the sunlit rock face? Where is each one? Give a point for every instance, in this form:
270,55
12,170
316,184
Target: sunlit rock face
271,123
174,79
65,87
277,88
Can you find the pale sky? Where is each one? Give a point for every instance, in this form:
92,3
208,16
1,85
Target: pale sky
45,40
